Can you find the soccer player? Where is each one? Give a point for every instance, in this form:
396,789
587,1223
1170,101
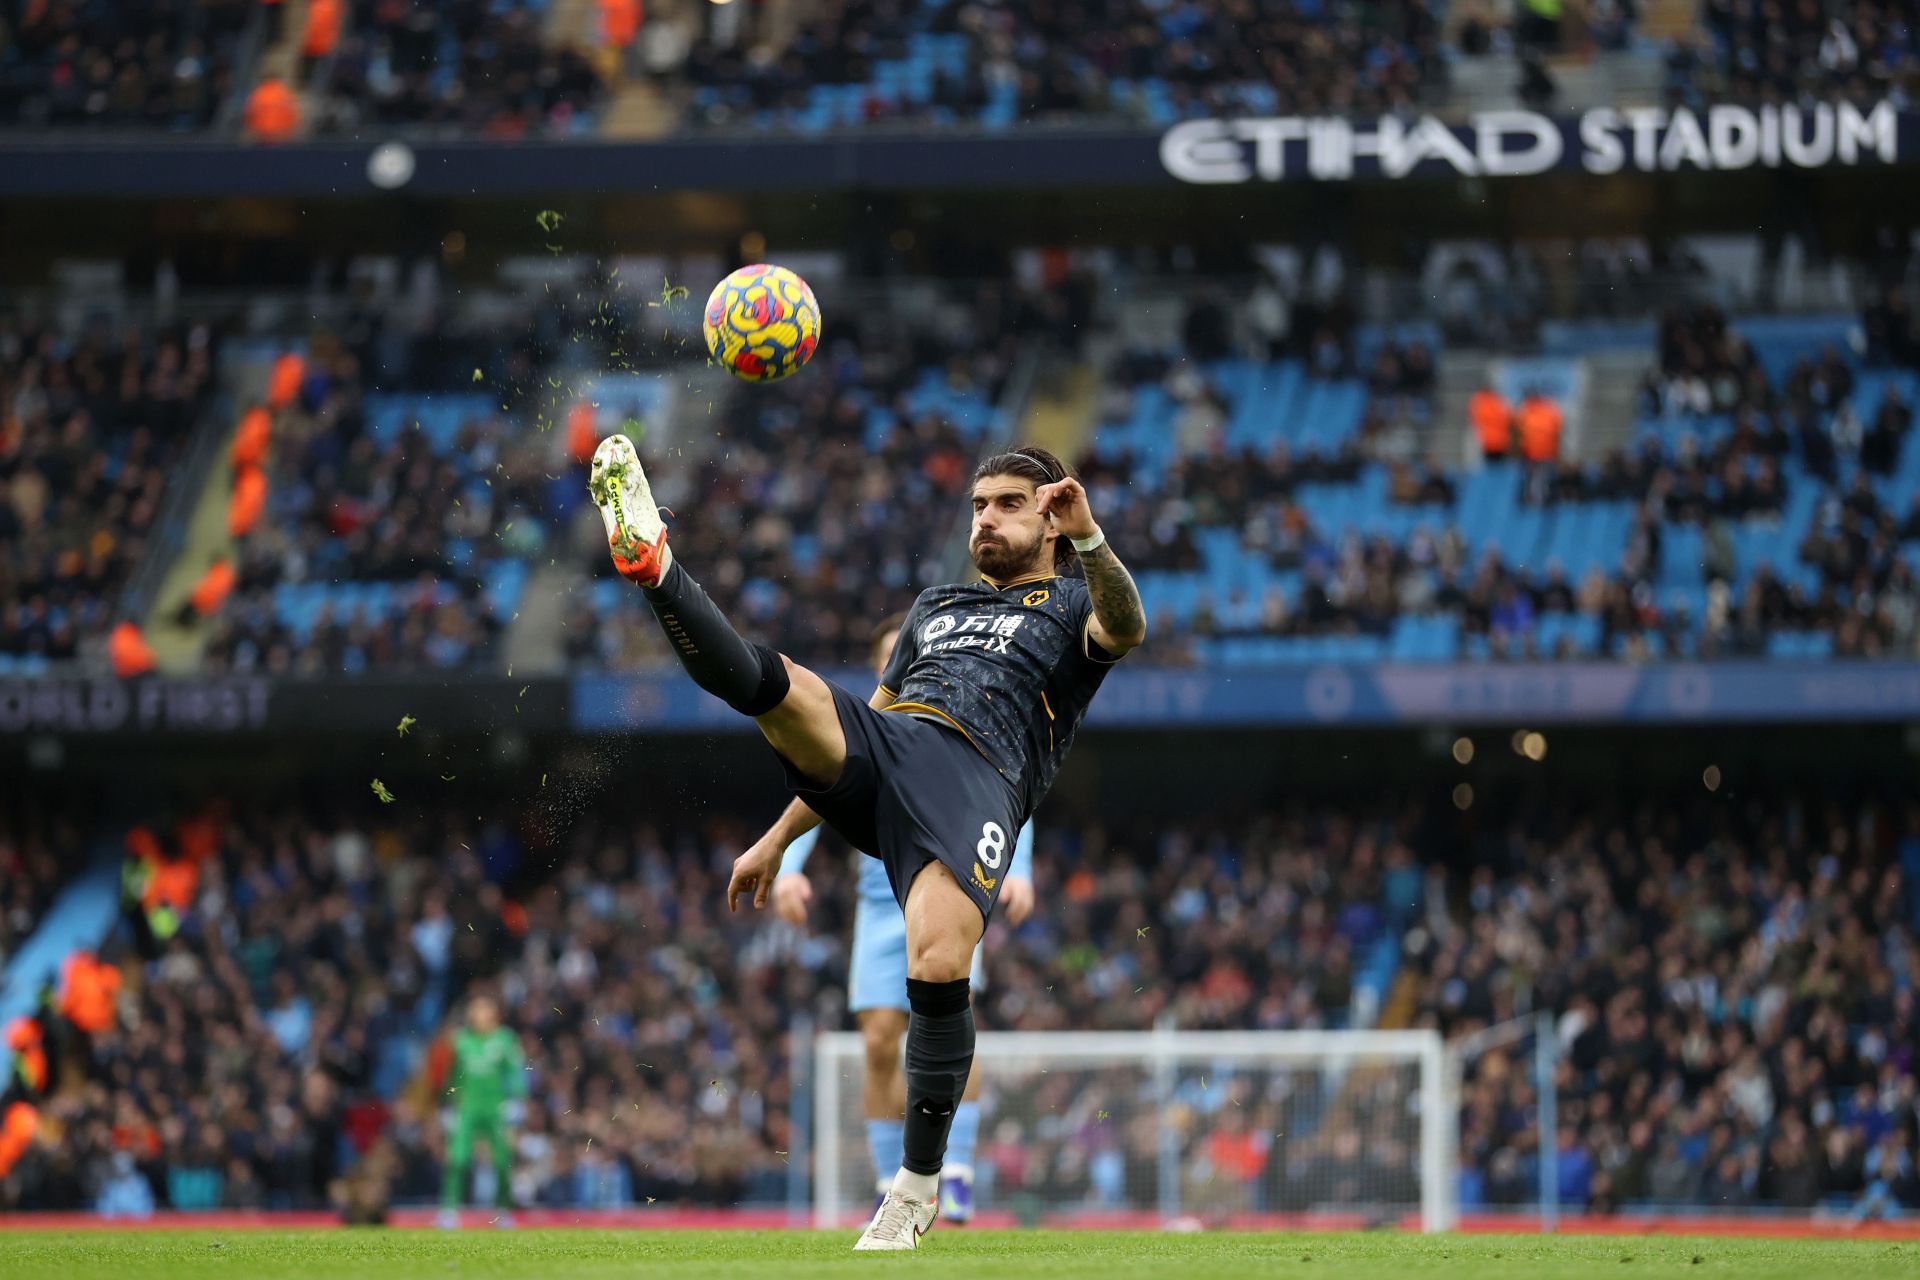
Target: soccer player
487,1085
937,771
877,992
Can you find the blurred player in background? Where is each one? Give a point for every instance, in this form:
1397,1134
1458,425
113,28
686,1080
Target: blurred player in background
485,1088
877,991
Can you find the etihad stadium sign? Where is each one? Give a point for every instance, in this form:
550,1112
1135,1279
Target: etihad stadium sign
1501,144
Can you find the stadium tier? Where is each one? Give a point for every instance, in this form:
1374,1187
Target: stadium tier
94,426
457,69
1735,1005
1292,486
997,66
1284,514
164,67
525,70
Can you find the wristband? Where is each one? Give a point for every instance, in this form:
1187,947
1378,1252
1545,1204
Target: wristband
1088,544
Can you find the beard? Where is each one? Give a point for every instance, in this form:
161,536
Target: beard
1004,560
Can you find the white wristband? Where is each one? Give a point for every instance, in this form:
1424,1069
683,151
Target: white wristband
1088,544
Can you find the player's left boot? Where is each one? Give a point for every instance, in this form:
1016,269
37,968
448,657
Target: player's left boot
504,1220
956,1194
901,1222
635,533
447,1220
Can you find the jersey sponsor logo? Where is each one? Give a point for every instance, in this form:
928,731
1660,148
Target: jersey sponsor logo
992,644
1037,598
992,632
983,880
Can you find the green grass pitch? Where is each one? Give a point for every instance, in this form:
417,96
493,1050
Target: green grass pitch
946,1255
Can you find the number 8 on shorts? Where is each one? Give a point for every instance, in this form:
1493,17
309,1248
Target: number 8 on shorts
992,846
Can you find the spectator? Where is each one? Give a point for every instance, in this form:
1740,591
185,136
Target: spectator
322,35
1540,423
273,112
1492,419
129,652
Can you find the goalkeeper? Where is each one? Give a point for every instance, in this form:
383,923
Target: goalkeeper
484,1091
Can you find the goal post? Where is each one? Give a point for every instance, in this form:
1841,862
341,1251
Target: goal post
1180,1128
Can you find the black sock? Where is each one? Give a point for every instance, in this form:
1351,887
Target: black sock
750,678
939,1056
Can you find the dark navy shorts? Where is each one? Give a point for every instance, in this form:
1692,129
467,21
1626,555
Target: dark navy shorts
915,791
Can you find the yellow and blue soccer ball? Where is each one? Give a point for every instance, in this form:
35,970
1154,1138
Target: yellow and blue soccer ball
761,323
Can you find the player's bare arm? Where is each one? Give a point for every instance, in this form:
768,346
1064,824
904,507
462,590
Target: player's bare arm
1119,619
755,870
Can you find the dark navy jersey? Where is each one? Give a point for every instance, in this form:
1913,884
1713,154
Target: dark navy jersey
1013,667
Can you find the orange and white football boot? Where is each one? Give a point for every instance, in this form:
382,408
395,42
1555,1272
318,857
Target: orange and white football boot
635,533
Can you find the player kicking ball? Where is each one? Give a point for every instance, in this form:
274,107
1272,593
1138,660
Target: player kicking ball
877,990
975,712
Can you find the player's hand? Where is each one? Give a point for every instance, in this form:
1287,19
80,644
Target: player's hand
1016,900
753,873
1065,502
791,894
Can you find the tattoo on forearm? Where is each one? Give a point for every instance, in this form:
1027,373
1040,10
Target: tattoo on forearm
1116,601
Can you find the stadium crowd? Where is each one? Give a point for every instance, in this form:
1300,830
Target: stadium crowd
30,871
1735,995
1070,60
289,967
1726,442
482,70
1736,1006
345,506
91,425
160,65
493,71
1862,51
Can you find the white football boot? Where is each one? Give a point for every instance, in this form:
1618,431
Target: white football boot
899,1224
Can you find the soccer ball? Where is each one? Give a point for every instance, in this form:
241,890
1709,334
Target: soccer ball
761,323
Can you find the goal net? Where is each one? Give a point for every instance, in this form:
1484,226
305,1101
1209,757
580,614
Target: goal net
1336,1129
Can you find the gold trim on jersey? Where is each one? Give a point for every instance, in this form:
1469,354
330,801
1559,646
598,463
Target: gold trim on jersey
1047,576
889,692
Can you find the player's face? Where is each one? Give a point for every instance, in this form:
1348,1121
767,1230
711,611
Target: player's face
883,651
1010,537
483,1015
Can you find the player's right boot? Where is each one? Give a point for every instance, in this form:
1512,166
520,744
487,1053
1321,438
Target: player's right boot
901,1222
635,533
